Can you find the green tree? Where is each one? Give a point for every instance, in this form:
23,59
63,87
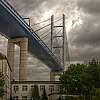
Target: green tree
71,78
35,93
2,92
83,80
90,80
44,95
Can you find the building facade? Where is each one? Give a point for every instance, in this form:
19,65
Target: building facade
5,75
22,90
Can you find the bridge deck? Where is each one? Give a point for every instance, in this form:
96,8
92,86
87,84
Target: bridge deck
12,25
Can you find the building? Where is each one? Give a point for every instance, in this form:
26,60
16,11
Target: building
22,90
5,75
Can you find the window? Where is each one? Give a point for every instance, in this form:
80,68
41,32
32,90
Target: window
51,88
24,88
61,89
15,97
42,87
32,87
24,97
16,88
58,88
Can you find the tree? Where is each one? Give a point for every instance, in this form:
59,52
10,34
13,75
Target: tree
35,93
2,92
44,96
71,78
83,80
90,80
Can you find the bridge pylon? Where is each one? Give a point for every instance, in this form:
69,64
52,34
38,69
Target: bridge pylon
23,43
61,47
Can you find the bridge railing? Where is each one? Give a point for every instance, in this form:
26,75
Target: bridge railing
27,27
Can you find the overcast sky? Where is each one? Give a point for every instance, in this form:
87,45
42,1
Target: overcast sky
82,24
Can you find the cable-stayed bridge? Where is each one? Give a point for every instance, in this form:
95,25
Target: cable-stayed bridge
12,25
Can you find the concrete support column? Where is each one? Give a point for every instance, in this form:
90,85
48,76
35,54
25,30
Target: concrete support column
52,76
23,59
10,56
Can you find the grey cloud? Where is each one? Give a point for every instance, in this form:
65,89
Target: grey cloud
84,35
84,53
27,6
89,33
90,6
85,39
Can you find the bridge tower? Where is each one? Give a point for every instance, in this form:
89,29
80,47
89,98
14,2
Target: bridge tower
61,47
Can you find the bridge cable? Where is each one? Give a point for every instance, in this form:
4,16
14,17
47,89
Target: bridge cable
46,25
49,32
44,32
41,22
45,36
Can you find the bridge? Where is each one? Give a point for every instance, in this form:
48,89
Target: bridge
12,26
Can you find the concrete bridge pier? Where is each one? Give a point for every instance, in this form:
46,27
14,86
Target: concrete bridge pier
23,59
10,56
23,43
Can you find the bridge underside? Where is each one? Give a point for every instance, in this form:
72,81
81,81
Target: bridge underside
13,26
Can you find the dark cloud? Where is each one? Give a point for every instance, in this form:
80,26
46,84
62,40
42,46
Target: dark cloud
88,33
85,39
26,5
90,6
35,7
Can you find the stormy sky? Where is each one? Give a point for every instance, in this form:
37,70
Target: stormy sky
82,25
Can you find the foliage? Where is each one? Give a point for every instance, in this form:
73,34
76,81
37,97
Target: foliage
71,98
83,80
35,93
44,96
2,92
71,78
90,80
